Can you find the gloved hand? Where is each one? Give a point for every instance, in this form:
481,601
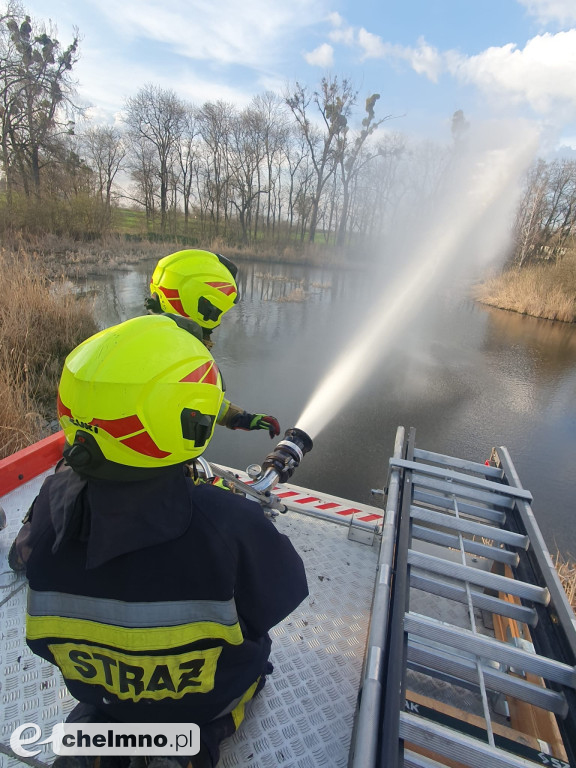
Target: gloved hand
250,421
152,304
263,421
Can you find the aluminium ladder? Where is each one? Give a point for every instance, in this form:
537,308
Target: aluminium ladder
471,654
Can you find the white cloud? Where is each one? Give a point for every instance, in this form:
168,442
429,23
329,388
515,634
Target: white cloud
371,45
426,60
342,32
226,32
323,56
335,19
546,11
344,35
99,77
542,74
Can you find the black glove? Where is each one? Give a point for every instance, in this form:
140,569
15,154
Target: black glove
250,421
152,304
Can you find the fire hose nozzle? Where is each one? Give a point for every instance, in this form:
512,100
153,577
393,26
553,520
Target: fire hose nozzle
279,465
287,455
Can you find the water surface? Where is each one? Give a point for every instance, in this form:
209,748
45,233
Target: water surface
465,376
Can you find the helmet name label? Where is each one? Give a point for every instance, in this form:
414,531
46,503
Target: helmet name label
84,425
138,677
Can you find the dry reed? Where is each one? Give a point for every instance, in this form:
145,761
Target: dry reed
295,296
41,320
566,569
547,291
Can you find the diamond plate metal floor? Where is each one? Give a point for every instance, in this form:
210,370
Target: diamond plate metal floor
303,717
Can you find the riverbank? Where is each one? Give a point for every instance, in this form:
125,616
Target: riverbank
76,259
547,290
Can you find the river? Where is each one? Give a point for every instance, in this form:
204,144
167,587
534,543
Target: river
466,377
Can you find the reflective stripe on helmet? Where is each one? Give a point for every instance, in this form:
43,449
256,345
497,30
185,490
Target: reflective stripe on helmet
226,288
207,374
172,296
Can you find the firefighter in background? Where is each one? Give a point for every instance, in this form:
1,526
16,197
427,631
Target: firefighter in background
154,596
201,286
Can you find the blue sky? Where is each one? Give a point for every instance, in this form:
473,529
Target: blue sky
426,58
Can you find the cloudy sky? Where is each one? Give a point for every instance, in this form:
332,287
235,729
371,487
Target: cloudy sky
426,58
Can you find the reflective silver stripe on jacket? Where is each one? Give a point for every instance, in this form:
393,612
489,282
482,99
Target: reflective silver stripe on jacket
169,613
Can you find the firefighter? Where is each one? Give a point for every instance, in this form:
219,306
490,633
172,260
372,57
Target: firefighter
201,287
154,596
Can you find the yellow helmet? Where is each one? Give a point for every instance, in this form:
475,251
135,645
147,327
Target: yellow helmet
142,394
197,284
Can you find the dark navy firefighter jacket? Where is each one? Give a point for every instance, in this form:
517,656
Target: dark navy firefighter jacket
155,598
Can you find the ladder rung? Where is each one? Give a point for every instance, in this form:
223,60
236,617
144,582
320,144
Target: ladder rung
469,526
455,463
489,648
473,547
476,576
479,599
414,760
456,745
466,669
462,491
446,502
460,478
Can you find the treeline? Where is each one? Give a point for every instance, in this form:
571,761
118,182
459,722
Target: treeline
307,166
546,220
287,168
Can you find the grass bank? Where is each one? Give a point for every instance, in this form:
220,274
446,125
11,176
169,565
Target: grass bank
540,290
41,321
79,258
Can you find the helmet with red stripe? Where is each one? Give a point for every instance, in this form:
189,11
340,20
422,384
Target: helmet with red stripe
143,394
197,284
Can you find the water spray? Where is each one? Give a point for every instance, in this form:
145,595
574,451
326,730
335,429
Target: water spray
474,210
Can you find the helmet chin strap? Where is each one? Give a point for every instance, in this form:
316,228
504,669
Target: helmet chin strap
187,324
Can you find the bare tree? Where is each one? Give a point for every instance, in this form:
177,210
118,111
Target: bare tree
352,159
214,123
188,154
144,173
561,216
295,159
546,216
380,188
155,117
105,150
334,103
530,213
35,96
246,156
271,111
